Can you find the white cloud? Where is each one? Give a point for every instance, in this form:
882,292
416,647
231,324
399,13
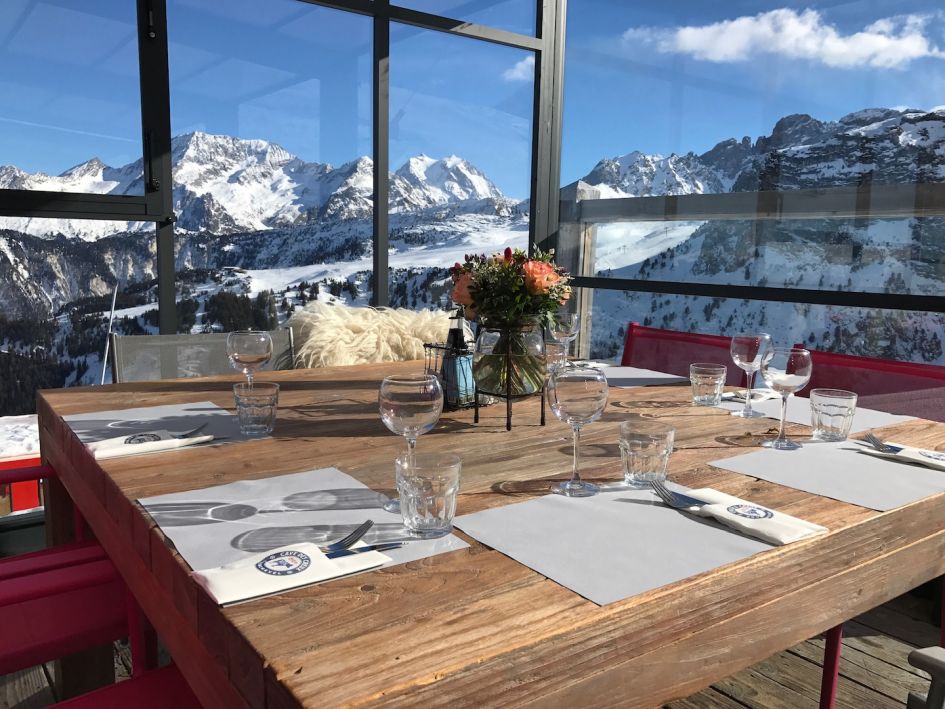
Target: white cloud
523,70
889,43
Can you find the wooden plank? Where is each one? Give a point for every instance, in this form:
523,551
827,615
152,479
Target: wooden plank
710,698
474,624
26,689
881,677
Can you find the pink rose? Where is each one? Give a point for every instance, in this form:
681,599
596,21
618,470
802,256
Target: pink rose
539,276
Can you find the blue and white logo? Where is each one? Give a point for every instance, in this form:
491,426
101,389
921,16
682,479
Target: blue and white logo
143,438
751,512
934,456
284,563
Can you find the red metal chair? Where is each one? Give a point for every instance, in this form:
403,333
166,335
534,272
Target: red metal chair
158,689
869,376
24,491
61,600
672,351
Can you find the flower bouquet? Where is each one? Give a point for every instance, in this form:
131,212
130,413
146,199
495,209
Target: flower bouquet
513,296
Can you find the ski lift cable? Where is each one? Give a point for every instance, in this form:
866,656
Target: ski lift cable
108,334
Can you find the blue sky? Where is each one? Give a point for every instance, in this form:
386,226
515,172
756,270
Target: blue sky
650,76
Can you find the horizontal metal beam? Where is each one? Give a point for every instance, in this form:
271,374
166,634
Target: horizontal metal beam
66,205
870,201
466,29
884,301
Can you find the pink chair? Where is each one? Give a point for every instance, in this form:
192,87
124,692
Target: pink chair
672,351
869,376
67,598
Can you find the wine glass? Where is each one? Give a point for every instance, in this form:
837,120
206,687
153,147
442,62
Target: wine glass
565,328
410,405
248,351
577,396
747,352
786,370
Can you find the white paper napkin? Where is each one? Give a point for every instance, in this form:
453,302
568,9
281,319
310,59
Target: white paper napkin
753,520
908,454
139,443
280,570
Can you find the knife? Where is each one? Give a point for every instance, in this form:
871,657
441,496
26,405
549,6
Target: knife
360,550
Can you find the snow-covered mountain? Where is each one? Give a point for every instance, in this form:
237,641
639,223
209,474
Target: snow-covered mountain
227,185
877,144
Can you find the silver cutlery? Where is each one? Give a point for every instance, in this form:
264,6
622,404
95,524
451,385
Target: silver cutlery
360,550
188,434
874,441
676,500
345,542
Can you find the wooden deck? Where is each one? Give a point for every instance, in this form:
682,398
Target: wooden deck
874,672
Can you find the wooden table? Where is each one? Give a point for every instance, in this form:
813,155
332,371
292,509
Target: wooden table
473,626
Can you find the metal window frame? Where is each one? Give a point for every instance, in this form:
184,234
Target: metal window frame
156,204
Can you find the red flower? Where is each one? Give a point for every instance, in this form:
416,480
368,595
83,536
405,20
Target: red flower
508,254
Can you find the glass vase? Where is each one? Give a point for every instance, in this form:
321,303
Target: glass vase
509,360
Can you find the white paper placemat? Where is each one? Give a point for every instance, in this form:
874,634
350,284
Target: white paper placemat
798,411
617,544
839,471
219,525
628,377
102,425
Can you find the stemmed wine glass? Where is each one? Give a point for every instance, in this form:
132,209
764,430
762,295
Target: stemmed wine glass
410,405
747,352
577,396
565,328
248,351
786,370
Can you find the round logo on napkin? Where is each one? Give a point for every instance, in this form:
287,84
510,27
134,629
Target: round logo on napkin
933,455
750,511
143,438
284,563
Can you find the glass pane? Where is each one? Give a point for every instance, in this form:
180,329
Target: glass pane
901,256
271,122
511,15
888,334
729,97
460,154
718,99
71,115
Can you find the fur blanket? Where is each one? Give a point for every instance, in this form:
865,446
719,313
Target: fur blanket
329,335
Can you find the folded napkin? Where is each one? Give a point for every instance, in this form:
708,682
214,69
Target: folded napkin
139,443
908,454
279,570
752,520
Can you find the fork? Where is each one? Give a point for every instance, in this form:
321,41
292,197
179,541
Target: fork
874,441
347,541
188,434
676,500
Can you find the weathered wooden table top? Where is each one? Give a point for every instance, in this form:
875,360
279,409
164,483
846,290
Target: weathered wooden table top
474,627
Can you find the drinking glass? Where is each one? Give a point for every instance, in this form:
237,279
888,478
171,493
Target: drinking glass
428,484
577,396
707,380
256,407
248,351
410,405
785,370
556,355
831,413
565,328
747,353
645,446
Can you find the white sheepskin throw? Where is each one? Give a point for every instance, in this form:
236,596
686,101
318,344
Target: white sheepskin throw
329,335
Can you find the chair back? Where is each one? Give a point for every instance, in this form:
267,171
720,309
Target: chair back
136,358
672,351
869,375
